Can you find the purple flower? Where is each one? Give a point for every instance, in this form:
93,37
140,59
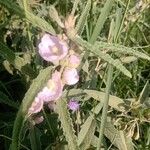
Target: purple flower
70,76
73,61
52,49
53,90
36,106
73,105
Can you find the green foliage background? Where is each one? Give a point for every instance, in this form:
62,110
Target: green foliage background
113,39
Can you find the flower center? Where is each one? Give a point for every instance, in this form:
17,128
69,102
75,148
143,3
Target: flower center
55,50
51,85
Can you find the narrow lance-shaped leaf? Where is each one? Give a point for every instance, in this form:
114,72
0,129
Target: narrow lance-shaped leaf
6,53
104,56
75,5
35,138
118,138
101,20
4,99
120,49
128,59
66,124
117,23
115,102
87,132
145,93
35,87
82,20
54,15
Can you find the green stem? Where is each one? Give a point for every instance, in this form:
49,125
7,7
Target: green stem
105,106
74,7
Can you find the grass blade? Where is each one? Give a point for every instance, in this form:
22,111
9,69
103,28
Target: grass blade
82,20
5,100
87,132
105,107
101,20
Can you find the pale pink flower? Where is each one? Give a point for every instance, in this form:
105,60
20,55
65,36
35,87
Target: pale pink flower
73,105
52,49
70,76
73,61
53,90
36,106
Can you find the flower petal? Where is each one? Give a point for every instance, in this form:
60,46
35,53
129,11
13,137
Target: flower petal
36,106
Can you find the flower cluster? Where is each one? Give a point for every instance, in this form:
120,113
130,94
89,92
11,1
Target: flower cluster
55,50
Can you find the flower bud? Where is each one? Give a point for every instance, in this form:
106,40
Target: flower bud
73,61
70,76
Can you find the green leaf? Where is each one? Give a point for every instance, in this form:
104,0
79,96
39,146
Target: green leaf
54,15
34,136
73,93
33,19
21,117
145,93
120,49
8,66
6,53
96,110
18,62
82,20
117,23
4,99
66,124
114,102
93,49
101,20
87,132
128,59
118,138
75,5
